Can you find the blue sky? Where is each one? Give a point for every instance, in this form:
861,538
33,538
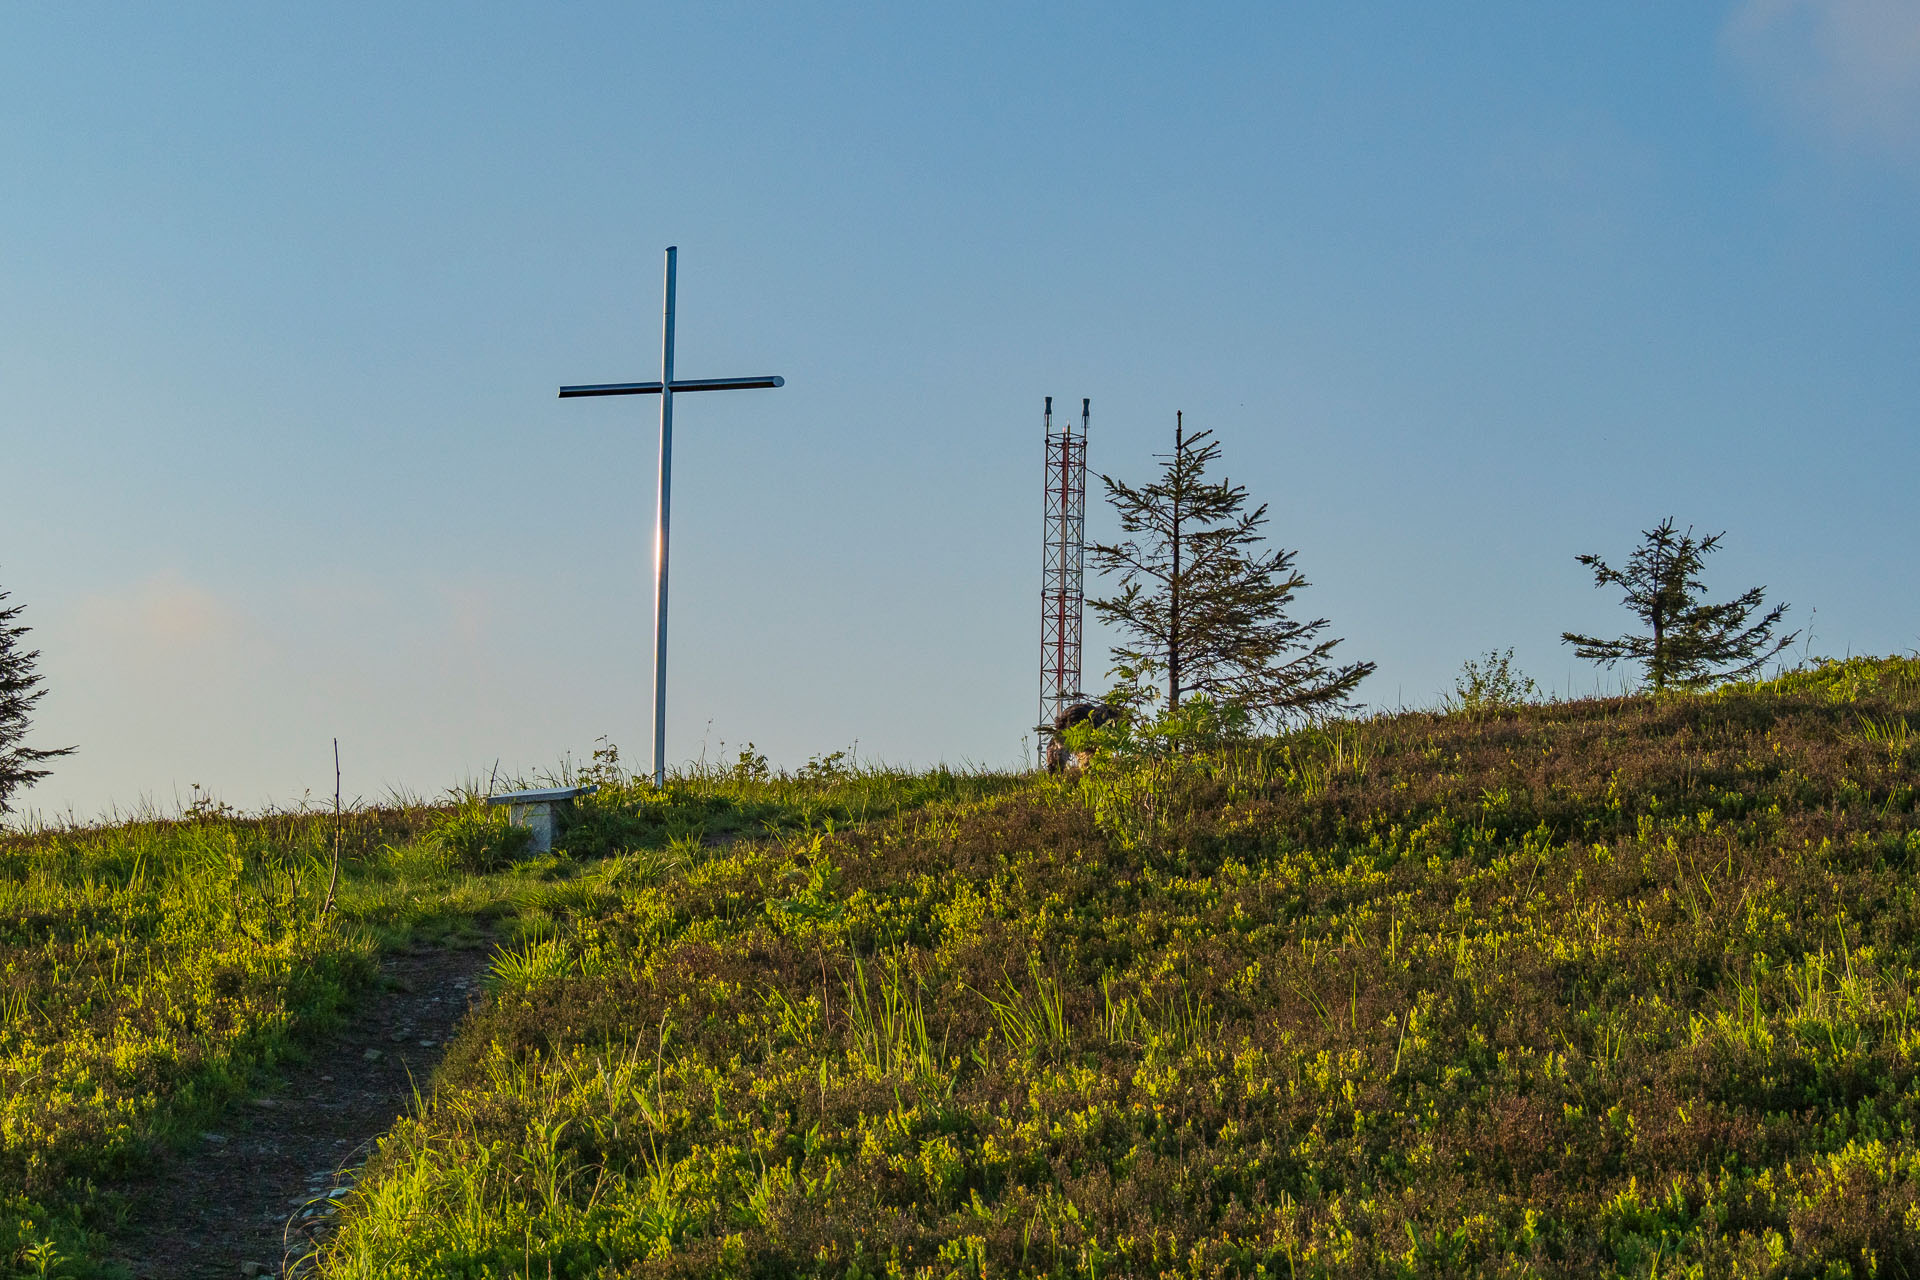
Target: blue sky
284,298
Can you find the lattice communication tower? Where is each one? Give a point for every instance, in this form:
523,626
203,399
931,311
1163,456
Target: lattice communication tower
1063,566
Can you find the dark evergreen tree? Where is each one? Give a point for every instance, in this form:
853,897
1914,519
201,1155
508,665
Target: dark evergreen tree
1204,605
1688,644
19,691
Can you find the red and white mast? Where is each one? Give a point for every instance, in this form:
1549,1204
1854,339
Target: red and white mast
1063,565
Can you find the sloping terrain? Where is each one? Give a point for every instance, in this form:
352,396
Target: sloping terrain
1618,987
201,1029
151,975
256,1195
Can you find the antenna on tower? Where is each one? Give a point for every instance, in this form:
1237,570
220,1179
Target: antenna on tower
1063,565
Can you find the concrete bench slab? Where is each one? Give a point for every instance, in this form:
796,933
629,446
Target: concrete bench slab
536,810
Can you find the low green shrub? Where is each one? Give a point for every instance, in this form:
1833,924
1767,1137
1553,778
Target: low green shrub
1490,685
477,836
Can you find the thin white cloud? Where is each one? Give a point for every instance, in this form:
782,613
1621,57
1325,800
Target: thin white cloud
1848,69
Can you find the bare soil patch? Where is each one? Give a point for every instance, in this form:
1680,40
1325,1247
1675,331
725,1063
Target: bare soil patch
252,1195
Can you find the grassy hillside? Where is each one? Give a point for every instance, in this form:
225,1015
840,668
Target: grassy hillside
148,973
1618,987
155,972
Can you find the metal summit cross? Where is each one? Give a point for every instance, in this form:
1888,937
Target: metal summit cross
665,389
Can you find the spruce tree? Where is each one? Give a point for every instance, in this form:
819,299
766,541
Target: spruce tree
19,691
1203,604
1688,644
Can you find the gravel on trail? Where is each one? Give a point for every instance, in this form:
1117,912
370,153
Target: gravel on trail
254,1194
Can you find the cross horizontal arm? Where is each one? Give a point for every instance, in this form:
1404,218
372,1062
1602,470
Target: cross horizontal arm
679,385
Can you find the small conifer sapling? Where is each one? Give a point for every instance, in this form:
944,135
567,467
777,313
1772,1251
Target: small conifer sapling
1688,644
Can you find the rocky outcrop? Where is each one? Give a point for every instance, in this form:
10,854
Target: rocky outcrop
1097,714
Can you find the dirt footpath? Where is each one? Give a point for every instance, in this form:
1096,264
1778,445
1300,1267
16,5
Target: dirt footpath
253,1195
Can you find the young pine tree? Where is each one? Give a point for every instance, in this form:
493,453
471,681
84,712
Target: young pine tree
19,690
1203,605
1688,644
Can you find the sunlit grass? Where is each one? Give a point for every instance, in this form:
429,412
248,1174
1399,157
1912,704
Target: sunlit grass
1622,987
1618,987
155,970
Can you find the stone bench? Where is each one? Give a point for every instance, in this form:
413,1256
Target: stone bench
536,810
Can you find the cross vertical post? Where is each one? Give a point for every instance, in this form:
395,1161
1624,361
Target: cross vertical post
665,389
663,511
